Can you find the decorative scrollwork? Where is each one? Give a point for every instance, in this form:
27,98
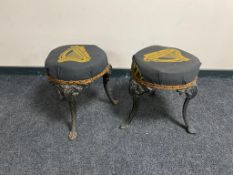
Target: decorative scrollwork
191,92
68,91
135,88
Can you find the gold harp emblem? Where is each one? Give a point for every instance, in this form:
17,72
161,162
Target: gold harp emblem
166,55
74,53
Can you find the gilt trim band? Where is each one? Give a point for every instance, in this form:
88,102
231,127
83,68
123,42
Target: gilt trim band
164,87
80,82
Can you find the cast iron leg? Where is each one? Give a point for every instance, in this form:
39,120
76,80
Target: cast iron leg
126,122
69,93
135,90
106,88
190,94
73,111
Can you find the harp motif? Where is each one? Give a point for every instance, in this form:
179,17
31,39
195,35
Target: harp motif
74,53
166,55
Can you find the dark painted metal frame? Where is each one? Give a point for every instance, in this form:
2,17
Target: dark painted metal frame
69,94
136,90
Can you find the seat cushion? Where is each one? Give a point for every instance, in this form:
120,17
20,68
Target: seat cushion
165,65
75,62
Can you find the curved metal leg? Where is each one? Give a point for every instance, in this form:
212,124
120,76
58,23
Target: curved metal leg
132,113
135,90
73,111
190,94
69,93
106,88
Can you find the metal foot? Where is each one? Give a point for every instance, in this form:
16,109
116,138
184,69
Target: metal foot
191,130
72,135
190,94
106,88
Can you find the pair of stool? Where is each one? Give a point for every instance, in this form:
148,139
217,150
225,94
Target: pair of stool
71,68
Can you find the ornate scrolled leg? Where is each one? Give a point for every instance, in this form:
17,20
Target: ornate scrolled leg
135,90
127,121
190,94
106,88
69,93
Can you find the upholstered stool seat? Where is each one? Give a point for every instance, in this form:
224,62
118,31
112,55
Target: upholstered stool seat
71,68
164,68
76,62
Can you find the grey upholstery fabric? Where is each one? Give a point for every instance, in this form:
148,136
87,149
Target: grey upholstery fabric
167,73
72,70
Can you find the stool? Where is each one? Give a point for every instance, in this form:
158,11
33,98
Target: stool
71,68
164,68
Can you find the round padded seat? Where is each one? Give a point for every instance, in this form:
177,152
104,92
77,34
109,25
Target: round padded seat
76,64
167,66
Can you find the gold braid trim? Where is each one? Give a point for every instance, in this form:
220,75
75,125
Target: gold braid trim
80,82
164,87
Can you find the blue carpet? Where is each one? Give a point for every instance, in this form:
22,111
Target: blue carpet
34,127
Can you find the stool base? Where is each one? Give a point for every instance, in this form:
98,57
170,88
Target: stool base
69,94
136,90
